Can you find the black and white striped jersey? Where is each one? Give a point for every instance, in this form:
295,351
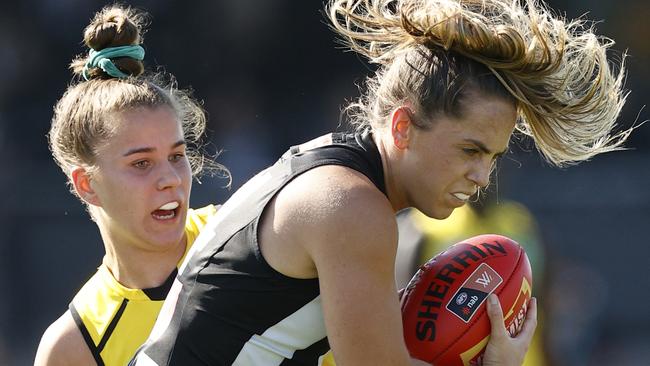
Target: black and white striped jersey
228,306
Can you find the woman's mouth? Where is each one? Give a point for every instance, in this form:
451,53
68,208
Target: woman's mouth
461,196
167,211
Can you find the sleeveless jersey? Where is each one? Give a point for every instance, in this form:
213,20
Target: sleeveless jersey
231,307
115,320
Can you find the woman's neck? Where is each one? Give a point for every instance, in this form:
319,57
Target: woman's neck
134,266
393,191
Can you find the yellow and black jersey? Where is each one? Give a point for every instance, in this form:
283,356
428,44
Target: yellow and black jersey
115,320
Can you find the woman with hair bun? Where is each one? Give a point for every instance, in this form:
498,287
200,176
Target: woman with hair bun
128,142
302,257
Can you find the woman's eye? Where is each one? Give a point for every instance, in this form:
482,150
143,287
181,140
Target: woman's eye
176,157
141,164
470,151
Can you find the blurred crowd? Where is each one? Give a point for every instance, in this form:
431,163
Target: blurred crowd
271,75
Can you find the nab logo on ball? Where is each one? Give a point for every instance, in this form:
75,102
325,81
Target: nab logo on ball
478,286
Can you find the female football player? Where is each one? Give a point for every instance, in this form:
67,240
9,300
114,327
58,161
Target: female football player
302,257
127,141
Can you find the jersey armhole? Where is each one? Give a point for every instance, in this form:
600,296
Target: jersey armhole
86,335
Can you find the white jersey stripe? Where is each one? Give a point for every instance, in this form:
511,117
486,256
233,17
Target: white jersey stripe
143,360
210,229
279,342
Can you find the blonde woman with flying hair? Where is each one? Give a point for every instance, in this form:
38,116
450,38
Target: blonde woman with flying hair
302,257
128,143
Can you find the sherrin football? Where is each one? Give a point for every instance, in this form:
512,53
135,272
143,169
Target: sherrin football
444,305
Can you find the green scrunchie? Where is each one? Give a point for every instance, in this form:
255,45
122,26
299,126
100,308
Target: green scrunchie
102,59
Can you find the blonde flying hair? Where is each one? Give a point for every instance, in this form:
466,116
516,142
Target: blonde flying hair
84,117
555,70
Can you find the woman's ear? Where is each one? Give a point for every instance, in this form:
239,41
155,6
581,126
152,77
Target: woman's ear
81,180
400,127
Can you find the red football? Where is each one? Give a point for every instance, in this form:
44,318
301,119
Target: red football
443,306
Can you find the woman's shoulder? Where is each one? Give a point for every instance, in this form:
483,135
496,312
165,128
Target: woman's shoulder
332,198
326,214
337,188
63,344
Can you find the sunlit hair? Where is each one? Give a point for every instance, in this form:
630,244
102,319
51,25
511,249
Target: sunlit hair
84,118
432,53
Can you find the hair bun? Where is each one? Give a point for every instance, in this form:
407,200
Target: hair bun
113,26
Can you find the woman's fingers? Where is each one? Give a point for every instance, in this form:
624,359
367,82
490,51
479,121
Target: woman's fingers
527,332
496,318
